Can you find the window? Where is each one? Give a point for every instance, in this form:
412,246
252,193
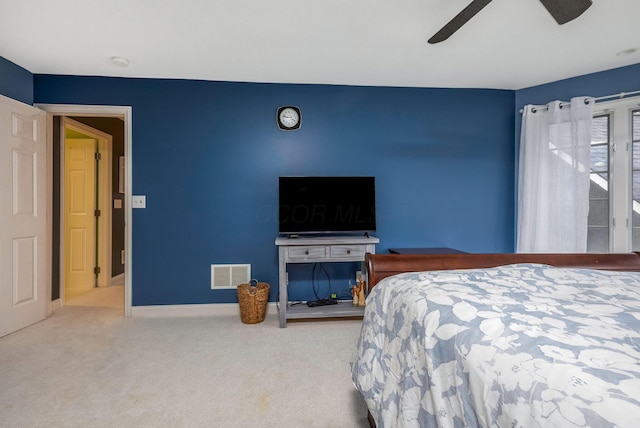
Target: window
614,192
635,212
599,219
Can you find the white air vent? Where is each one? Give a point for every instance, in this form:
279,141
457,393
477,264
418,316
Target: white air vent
229,276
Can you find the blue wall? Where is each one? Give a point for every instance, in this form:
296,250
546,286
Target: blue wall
15,82
208,156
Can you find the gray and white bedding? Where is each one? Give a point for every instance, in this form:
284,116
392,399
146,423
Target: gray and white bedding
515,346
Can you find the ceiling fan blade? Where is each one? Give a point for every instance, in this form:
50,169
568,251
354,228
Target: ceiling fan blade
564,11
459,20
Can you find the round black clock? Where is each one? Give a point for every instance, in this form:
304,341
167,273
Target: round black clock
288,118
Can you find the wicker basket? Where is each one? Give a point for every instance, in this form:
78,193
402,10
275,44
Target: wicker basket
253,298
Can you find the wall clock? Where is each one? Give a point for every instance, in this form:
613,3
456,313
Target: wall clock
288,118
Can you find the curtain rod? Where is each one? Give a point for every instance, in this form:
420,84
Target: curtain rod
620,95
606,97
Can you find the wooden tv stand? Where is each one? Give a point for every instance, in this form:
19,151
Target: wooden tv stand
320,250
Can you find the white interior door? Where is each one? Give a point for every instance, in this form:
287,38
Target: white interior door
24,243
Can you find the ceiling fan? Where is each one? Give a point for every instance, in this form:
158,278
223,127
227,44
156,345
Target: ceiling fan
562,11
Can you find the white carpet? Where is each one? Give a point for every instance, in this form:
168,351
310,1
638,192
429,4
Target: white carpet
88,366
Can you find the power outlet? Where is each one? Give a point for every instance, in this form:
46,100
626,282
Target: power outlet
139,201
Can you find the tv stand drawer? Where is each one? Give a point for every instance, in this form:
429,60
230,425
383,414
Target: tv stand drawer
308,252
342,251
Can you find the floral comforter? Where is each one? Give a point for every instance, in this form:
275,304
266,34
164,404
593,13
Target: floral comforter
514,346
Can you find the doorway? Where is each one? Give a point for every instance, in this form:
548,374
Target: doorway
115,262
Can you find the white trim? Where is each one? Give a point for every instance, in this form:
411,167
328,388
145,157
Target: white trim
195,310
55,304
49,186
125,113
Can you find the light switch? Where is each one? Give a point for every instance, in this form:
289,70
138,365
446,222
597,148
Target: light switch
139,201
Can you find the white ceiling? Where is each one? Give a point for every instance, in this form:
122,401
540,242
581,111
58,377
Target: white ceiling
511,44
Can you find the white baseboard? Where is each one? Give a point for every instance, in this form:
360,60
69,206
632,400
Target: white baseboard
55,304
199,310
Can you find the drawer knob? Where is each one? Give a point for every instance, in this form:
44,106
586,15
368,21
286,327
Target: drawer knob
348,251
306,252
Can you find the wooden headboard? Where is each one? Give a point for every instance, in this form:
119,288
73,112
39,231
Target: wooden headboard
380,266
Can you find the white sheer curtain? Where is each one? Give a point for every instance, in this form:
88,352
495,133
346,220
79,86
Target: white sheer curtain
553,181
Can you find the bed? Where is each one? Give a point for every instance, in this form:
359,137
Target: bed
508,340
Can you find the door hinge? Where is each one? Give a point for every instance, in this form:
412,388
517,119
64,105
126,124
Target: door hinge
97,213
96,270
98,156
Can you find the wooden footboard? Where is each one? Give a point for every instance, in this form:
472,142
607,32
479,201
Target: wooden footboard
380,266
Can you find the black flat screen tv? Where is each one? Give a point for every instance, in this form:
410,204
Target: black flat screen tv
326,205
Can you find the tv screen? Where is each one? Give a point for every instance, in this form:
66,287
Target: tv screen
309,205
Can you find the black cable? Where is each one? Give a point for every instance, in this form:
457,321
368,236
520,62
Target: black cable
328,279
316,272
313,281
